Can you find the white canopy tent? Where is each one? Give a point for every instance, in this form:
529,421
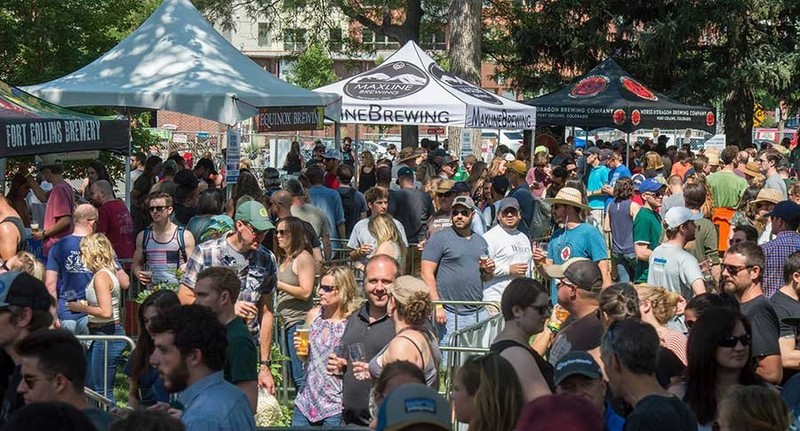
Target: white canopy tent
177,61
409,88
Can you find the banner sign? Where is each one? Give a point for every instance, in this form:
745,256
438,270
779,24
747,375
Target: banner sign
232,155
281,119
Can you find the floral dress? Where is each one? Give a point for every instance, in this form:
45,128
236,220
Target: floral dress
320,396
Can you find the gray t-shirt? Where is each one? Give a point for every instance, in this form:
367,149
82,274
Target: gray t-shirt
458,275
674,200
674,269
361,235
314,216
775,182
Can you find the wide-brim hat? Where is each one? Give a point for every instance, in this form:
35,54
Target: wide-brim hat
406,153
751,168
768,195
569,196
713,158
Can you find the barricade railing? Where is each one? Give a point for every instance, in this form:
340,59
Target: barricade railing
97,401
105,339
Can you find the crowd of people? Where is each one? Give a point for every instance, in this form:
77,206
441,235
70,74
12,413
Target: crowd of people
642,287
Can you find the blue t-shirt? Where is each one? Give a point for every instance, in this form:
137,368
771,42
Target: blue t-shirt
598,177
458,274
151,387
329,201
73,276
620,171
612,420
584,240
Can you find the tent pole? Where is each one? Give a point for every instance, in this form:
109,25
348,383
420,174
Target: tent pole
128,162
337,135
3,164
628,150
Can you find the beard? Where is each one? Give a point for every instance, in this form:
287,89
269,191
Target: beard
178,379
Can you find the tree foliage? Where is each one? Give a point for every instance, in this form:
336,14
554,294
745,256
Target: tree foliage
313,68
718,52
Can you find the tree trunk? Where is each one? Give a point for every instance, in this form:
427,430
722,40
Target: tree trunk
409,135
739,117
465,57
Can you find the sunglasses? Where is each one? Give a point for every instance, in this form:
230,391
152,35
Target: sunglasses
254,231
158,209
281,232
464,213
543,310
657,195
730,341
327,288
735,269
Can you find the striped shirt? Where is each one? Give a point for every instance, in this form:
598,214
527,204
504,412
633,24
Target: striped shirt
775,254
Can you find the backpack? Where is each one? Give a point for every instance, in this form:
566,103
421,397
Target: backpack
349,207
540,223
181,242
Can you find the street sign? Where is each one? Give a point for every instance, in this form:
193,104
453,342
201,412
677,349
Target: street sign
436,130
758,115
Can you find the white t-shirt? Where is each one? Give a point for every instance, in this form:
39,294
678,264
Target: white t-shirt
361,236
674,269
506,247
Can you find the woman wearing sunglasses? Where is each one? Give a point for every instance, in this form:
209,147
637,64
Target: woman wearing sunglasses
319,400
719,360
526,306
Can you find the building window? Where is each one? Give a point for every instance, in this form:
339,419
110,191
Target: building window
372,41
335,40
434,40
263,34
294,39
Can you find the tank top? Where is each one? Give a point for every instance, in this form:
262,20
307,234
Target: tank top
164,258
91,297
17,222
619,214
292,310
544,367
367,180
429,368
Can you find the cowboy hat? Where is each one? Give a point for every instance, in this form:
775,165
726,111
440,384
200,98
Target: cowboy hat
569,196
751,168
768,195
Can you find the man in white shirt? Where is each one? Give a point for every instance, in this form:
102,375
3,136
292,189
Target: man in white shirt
509,248
672,267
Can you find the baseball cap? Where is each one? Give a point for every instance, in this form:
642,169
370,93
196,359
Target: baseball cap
23,290
405,171
460,187
413,404
185,178
445,186
447,160
518,166
581,271
509,157
650,185
576,363
465,201
332,154
509,203
593,150
786,210
206,163
637,180
604,154
171,165
677,216
255,214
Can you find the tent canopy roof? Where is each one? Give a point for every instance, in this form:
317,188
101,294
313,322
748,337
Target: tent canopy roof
409,88
31,126
177,61
608,96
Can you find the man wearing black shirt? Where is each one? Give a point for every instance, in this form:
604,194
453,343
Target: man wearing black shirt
410,206
630,353
24,309
787,308
741,276
372,327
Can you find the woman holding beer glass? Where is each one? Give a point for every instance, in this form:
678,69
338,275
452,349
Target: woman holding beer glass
319,401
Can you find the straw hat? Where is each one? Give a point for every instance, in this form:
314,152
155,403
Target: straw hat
713,158
768,195
445,186
569,196
751,168
405,154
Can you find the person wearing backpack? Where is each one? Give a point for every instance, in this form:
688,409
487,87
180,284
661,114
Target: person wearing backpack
163,247
353,202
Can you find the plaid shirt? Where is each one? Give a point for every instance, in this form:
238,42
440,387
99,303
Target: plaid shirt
775,253
259,275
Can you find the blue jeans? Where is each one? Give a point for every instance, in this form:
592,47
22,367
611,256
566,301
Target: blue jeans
77,327
626,265
100,374
297,366
300,420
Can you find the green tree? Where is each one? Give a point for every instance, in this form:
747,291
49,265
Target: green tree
313,68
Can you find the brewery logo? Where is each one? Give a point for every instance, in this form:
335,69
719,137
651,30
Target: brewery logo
636,117
710,120
461,85
589,86
387,82
638,89
566,253
619,116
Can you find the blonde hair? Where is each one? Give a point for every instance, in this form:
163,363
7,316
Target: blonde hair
662,302
653,161
756,408
382,227
349,293
97,253
413,300
497,164
30,264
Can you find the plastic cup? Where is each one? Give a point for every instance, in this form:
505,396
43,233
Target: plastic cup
302,333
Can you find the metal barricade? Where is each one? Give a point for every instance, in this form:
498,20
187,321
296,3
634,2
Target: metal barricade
97,401
105,339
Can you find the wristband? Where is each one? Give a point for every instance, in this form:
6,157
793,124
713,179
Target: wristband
266,363
439,306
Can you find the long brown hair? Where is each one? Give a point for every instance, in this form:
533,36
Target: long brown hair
293,226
